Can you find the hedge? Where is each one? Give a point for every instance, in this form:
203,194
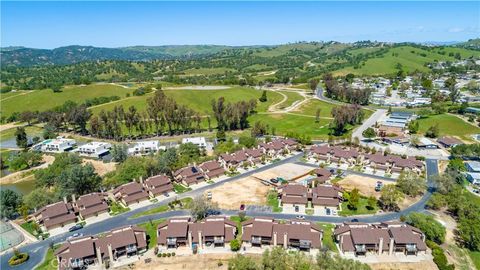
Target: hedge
439,257
18,259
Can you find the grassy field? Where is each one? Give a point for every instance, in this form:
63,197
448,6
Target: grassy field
291,98
362,208
448,125
409,57
310,108
475,255
47,261
163,208
272,200
200,100
151,228
327,240
43,100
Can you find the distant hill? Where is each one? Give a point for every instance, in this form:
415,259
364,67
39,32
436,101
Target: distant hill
470,44
21,56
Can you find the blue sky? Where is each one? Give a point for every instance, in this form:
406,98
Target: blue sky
116,24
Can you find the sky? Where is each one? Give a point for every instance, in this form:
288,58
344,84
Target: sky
118,24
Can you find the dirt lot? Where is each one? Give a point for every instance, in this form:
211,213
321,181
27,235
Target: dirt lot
100,167
365,185
425,265
287,171
248,190
203,261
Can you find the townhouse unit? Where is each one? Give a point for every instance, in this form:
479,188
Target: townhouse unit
322,199
449,142
94,149
130,193
293,198
326,200
322,175
235,159
267,232
79,253
212,169
363,239
144,148
189,175
90,205
473,171
158,185
336,154
213,231
392,163
55,216
255,155
58,145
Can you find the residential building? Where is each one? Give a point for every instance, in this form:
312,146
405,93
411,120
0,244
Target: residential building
189,175
144,148
212,169
130,193
324,199
213,231
58,145
472,110
90,205
322,175
56,215
198,141
473,166
79,253
362,239
449,142
94,149
425,143
473,177
158,185
298,234
293,198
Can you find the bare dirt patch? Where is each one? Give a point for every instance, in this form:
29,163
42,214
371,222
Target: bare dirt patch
424,265
365,185
100,167
289,171
248,191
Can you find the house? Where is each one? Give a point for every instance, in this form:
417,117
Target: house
322,175
130,193
56,215
213,231
255,155
378,162
424,143
145,148
58,145
189,175
362,239
298,234
235,159
409,163
157,185
321,152
293,198
212,169
198,141
326,200
402,115
473,177
274,148
473,166
79,253
449,142
90,205
472,110
94,149
345,156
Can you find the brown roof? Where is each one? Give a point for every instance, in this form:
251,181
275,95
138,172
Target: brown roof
294,199
255,153
211,165
157,180
294,189
130,192
55,214
77,248
322,172
378,158
320,149
91,203
449,141
216,172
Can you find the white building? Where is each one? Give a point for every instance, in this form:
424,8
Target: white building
198,141
145,148
94,149
57,145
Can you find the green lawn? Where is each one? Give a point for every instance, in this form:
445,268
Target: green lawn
116,208
291,98
30,228
47,261
310,108
362,208
272,200
475,255
448,125
328,241
164,208
43,100
151,228
180,188
236,219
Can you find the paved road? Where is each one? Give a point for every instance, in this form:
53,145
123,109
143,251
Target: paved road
38,250
377,115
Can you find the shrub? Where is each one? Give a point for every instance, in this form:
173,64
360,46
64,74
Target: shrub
169,254
439,257
235,245
173,254
18,258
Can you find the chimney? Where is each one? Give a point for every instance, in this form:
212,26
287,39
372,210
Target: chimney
73,198
380,246
110,252
65,199
141,179
99,256
390,248
274,239
285,241
200,240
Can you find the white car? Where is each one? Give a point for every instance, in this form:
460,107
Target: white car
75,235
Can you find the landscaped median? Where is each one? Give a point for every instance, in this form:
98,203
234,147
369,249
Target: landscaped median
174,205
18,258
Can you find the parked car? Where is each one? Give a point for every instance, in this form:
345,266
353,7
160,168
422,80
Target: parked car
274,180
300,217
242,207
166,194
378,186
354,220
75,227
213,212
75,235
209,195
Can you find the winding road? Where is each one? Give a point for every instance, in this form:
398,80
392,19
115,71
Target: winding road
38,249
